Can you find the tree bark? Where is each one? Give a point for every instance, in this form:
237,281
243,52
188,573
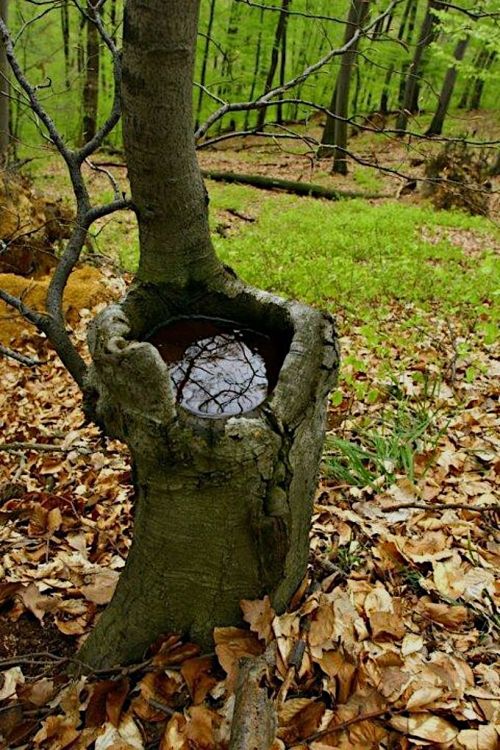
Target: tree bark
4,92
357,14
204,64
282,79
91,84
280,30
410,100
436,126
384,98
339,104
256,68
223,505
65,36
478,87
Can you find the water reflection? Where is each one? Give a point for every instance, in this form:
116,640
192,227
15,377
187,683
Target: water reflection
217,369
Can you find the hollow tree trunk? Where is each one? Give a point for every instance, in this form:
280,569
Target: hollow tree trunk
91,83
427,32
4,92
280,30
223,504
339,104
436,126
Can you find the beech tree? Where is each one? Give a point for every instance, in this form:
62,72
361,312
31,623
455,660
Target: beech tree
91,82
4,91
334,140
436,126
223,505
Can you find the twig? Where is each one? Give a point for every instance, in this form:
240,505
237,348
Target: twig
161,707
345,724
11,354
438,507
17,446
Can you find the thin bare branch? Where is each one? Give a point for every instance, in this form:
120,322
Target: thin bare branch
21,358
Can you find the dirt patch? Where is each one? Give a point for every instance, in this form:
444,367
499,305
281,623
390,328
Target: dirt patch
473,244
29,636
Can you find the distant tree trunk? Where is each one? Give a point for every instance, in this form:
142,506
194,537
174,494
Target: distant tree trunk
65,36
282,79
368,78
4,93
427,33
223,505
228,59
204,64
112,20
357,14
280,30
384,98
477,64
412,21
495,167
91,83
478,86
340,99
256,67
436,126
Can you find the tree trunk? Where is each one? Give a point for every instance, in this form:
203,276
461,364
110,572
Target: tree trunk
479,60
357,14
256,67
4,93
204,64
478,87
65,36
280,30
223,504
427,32
384,98
436,126
340,98
91,84
279,112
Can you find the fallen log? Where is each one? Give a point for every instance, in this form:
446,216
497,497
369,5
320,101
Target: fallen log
289,186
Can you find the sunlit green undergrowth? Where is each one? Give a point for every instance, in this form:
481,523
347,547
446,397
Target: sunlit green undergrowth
385,448
353,254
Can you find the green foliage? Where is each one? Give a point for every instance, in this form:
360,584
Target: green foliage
351,254
384,449
239,50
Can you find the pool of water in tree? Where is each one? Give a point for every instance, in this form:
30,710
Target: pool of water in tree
218,367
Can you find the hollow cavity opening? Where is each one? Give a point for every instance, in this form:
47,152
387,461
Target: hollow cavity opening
219,367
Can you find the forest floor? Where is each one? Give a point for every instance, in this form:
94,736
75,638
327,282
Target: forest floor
392,641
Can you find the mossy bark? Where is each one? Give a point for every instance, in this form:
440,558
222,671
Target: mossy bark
223,506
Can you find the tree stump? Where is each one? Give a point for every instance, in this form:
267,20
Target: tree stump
223,506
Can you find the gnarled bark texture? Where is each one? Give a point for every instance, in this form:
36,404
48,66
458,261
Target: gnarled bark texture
223,505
